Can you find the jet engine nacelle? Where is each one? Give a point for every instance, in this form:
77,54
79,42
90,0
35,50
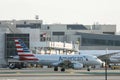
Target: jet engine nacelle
77,65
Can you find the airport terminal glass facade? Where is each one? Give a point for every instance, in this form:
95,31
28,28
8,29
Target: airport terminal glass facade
99,40
10,49
32,25
76,27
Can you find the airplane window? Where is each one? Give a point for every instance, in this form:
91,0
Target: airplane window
84,56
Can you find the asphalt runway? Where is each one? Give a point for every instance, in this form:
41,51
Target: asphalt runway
61,78
49,74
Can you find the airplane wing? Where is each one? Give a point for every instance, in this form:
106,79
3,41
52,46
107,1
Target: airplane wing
107,56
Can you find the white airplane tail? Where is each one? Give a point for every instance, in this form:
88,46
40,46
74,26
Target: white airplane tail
23,52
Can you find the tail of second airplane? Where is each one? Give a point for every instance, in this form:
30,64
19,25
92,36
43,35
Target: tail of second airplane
23,52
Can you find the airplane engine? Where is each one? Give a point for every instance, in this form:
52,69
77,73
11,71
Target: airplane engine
77,66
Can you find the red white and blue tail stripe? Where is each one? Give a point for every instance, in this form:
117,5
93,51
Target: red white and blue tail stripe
23,51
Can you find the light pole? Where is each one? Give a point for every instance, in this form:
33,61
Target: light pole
106,64
106,69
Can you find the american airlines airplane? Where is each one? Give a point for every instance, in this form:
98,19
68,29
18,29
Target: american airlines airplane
115,58
76,61
112,56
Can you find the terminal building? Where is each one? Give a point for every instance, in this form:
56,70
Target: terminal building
35,34
88,37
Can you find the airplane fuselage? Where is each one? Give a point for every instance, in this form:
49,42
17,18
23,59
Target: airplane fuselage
84,59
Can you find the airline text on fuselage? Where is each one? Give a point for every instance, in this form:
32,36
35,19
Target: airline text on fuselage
71,58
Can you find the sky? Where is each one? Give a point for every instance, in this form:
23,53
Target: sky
63,11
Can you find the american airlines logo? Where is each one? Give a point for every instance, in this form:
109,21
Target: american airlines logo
23,52
71,58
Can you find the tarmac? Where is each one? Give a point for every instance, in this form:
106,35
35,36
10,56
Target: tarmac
49,74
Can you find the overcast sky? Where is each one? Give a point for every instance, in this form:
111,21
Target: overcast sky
63,11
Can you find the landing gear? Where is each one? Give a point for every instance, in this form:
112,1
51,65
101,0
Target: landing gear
55,68
88,68
62,69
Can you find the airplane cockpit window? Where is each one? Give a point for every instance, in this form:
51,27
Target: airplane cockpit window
92,57
84,56
95,57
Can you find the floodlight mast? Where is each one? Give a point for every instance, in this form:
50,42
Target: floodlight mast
106,64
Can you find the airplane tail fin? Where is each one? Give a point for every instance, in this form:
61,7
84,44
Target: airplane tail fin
23,52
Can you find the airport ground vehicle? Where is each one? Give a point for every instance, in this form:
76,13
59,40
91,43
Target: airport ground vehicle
115,66
19,65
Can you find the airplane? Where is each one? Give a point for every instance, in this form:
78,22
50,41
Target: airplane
112,56
75,61
115,59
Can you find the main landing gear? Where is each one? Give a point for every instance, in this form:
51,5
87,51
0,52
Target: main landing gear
56,69
88,68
